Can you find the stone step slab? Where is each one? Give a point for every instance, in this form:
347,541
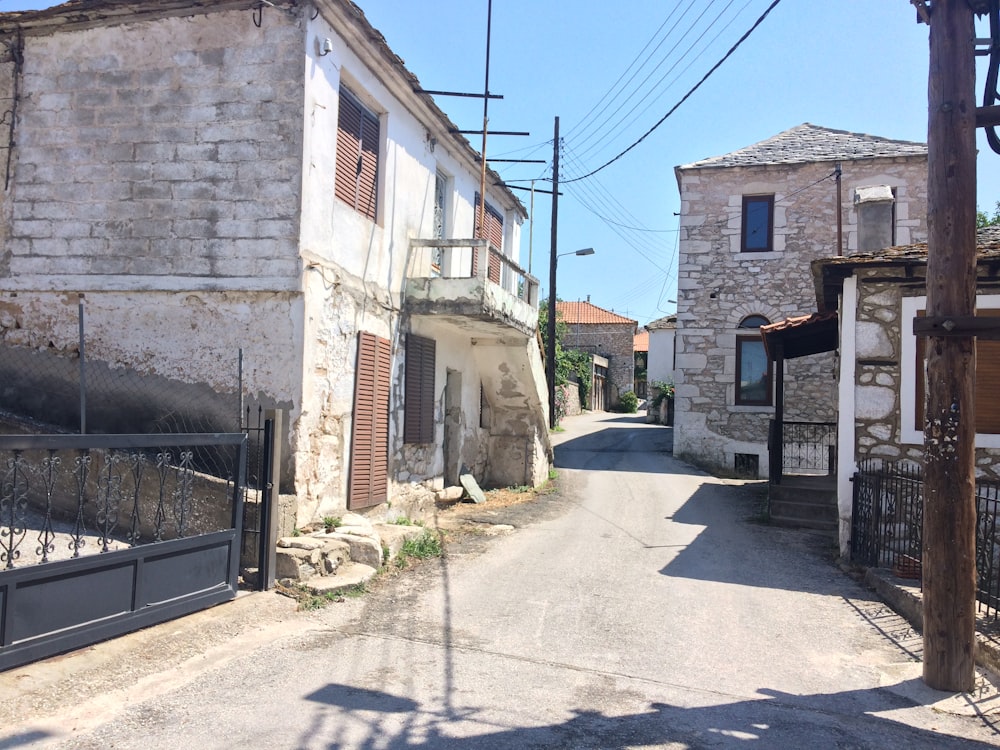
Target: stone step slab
349,574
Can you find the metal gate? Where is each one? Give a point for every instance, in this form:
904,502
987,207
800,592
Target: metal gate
101,535
260,497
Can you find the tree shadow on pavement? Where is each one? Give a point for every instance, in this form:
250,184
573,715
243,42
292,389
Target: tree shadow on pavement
775,720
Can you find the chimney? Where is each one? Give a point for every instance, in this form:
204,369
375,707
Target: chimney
874,205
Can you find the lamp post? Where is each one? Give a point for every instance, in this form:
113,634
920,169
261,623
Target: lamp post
550,344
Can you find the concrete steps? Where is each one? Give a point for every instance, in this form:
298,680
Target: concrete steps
804,502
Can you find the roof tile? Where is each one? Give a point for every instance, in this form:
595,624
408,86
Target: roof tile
584,312
809,143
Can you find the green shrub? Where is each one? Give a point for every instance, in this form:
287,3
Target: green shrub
664,390
628,402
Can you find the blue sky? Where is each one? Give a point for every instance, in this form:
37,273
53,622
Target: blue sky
610,71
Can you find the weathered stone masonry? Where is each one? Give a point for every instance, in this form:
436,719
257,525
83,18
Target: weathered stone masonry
718,286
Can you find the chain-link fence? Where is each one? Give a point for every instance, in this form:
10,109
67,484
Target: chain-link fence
52,391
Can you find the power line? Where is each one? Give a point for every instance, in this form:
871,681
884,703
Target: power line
673,109
584,126
635,113
611,113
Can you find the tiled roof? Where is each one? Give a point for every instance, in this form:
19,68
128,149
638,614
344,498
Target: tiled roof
800,321
640,342
584,312
829,273
669,321
809,143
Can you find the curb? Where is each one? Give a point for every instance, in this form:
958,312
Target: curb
907,600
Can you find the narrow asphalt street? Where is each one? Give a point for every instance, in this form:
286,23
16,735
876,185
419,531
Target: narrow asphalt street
644,606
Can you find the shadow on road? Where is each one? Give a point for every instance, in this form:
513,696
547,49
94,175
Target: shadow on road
626,444
756,554
774,720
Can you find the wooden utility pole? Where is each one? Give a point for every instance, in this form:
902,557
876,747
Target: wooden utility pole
550,344
949,534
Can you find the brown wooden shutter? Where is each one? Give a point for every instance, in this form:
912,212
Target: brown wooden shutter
368,179
369,470
494,234
987,381
358,142
418,419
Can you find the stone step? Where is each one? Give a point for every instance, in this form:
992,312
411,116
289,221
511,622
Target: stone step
349,574
313,557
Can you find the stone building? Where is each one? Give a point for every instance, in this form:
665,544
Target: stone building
876,296
606,334
212,177
751,223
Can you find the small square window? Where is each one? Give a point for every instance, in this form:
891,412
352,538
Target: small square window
758,224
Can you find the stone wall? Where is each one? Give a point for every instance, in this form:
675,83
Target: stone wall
613,341
884,367
718,286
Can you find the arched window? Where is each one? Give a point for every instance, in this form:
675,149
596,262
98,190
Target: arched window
753,367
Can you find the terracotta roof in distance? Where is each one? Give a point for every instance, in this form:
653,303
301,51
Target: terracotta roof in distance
640,342
584,312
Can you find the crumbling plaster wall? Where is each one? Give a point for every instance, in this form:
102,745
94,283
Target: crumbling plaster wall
718,285
355,273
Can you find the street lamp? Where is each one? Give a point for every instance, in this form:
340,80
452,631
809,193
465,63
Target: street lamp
550,348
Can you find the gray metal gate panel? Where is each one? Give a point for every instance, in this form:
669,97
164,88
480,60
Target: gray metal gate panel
53,607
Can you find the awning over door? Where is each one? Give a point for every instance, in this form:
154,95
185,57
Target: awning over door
801,336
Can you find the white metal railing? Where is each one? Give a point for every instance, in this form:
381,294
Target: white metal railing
470,258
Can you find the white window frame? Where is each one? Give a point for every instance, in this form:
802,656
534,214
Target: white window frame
908,375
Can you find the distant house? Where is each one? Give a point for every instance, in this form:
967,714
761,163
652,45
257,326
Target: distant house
662,357
640,352
751,223
607,335
267,178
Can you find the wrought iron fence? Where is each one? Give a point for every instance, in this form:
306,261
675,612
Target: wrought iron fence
63,496
809,447
887,525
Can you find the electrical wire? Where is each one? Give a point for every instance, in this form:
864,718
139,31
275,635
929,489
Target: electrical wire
634,114
613,131
686,96
584,125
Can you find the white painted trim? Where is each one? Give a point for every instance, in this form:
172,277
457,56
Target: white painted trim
846,439
908,435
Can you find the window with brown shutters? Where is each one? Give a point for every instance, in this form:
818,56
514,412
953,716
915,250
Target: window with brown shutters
418,411
987,381
493,234
369,470
358,142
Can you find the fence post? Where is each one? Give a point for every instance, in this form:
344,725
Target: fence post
268,539
83,373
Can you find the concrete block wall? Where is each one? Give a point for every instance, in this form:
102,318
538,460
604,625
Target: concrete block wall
159,154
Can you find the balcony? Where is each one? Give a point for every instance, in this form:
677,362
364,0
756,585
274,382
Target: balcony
471,286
